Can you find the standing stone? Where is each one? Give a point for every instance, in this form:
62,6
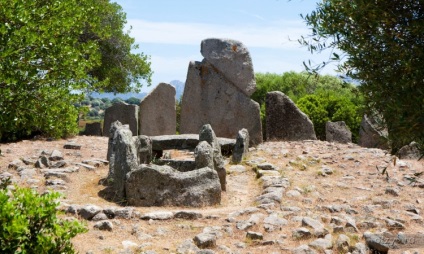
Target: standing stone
371,135
157,112
203,155
233,60
338,132
207,134
285,121
123,159
241,147
214,93
143,145
112,130
93,129
124,113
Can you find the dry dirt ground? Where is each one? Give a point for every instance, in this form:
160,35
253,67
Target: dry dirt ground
327,181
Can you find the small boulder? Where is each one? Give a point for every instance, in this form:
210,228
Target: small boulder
338,132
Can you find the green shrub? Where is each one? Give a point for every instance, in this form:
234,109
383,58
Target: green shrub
29,223
323,107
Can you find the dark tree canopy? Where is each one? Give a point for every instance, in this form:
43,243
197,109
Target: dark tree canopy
382,45
51,49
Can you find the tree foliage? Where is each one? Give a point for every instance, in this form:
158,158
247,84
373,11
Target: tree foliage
323,107
29,223
322,97
382,45
46,55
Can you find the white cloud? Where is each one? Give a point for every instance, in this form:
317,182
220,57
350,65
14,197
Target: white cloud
276,35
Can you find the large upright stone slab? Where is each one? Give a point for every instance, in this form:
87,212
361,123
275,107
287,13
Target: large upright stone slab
123,158
124,113
207,134
232,59
285,121
93,129
210,98
371,135
157,112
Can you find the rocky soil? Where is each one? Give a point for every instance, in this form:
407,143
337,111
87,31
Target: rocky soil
286,197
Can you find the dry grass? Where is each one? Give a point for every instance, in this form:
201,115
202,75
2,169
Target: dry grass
355,181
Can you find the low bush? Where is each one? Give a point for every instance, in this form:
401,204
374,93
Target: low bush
29,223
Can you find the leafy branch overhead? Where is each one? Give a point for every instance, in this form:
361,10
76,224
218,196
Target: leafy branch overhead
382,46
51,49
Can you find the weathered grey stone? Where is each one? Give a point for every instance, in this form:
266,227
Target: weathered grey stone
203,155
160,215
187,247
301,233
153,185
58,164
274,222
72,145
123,159
232,59
99,217
342,243
124,113
322,244
303,249
241,147
157,112
187,141
104,225
56,155
266,166
112,132
42,162
254,235
93,129
338,132
371,134
377,242
180,165
410,152
284,121
123,213
15,164
143,146
359,248
211,98
188,215
205,240
207,134
89,211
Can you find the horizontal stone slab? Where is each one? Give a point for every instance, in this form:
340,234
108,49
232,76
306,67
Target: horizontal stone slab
187,141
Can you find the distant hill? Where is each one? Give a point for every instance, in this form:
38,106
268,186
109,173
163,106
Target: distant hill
179,88
123,96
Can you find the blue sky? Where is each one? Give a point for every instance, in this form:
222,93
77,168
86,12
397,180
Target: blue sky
170,31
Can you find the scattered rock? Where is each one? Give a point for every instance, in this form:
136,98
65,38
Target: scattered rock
73,146
89,211
205,240
254,235
104,225
158,216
